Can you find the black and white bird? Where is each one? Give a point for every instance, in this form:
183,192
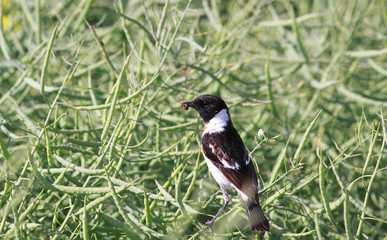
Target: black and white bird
227,158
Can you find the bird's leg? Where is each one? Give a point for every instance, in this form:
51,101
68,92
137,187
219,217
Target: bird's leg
226,200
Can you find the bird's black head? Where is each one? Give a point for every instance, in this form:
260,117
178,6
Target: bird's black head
206,105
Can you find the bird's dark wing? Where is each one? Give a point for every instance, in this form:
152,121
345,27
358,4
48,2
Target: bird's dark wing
228,153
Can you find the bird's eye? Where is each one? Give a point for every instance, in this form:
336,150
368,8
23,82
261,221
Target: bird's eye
205,103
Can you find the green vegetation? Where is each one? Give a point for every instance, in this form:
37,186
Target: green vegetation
95,145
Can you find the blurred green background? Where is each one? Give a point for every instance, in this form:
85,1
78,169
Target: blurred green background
95,145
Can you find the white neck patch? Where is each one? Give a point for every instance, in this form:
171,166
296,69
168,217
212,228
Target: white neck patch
218,122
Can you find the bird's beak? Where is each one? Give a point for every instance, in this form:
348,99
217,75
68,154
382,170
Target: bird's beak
186,105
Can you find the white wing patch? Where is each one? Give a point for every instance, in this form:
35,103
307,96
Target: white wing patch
237,165
218,122
225,163
248,161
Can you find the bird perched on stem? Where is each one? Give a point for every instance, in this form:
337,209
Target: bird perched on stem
227,158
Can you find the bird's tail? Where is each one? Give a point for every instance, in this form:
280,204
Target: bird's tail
257,219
